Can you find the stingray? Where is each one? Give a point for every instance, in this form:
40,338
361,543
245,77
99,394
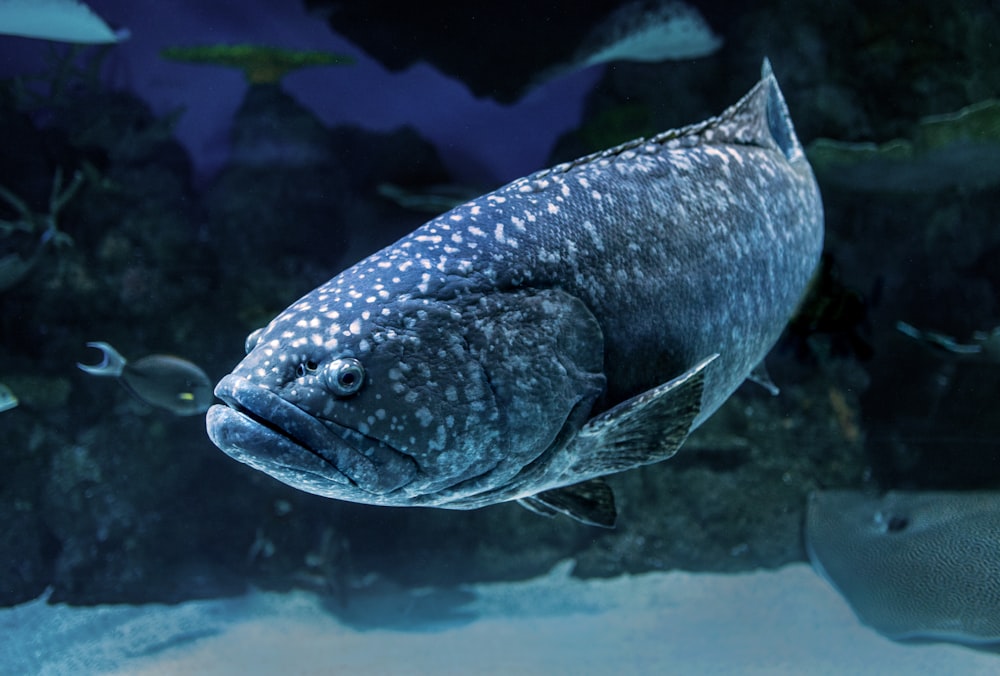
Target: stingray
914,566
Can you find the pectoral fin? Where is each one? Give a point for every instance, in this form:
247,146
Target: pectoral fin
644,429
591,502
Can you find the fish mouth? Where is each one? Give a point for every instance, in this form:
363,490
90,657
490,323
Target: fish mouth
261,429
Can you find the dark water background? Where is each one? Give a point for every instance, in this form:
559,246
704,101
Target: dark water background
207,204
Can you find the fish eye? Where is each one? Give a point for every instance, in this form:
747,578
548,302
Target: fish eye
252,340
345,376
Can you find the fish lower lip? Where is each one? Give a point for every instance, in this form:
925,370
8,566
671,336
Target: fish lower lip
267,449
260,428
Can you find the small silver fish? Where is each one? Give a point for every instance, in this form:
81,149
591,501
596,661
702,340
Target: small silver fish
8,399
160,380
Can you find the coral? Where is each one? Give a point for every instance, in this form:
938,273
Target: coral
260,64
35,230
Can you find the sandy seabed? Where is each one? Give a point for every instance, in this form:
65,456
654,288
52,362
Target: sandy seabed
787,621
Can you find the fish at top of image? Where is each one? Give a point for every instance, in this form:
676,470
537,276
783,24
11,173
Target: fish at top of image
575,323
644,31
160,380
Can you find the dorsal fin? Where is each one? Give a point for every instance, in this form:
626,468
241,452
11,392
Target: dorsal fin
760,119
779,121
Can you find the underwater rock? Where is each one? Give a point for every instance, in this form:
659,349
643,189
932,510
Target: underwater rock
306,196
464,44
274,131
434,199
139,517
41,392
957,150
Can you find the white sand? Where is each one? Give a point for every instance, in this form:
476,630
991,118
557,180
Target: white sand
782,622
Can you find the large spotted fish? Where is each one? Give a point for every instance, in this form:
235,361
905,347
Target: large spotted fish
574,323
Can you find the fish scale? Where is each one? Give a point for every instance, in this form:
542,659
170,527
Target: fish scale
495,339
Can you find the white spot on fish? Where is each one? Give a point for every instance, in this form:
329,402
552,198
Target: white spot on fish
424,416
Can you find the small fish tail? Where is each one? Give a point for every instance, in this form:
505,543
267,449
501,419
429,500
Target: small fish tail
112,363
